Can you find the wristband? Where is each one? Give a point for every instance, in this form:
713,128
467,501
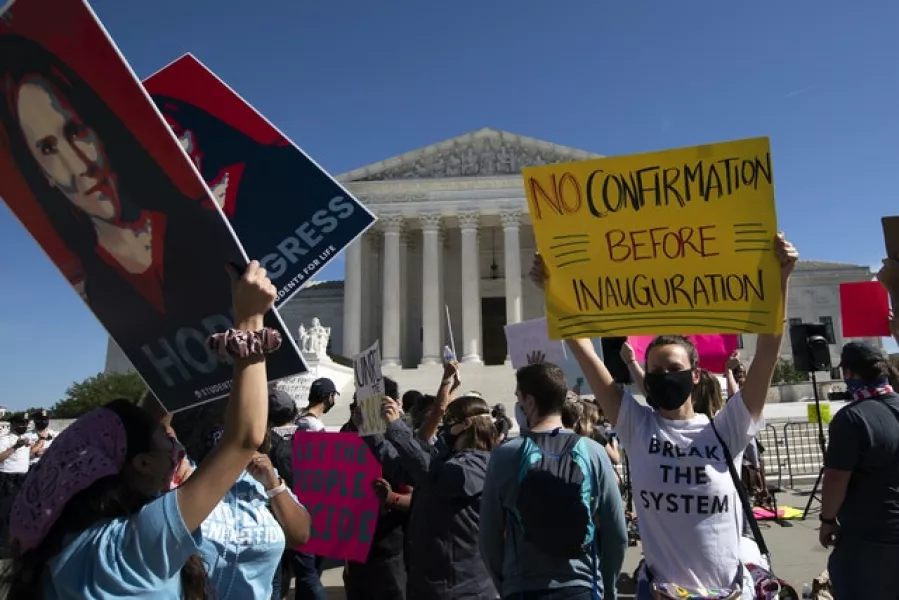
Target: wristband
828,521
281,487
244,344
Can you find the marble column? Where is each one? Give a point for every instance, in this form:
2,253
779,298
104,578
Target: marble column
511,221
471,293
391,226
352,300
431,308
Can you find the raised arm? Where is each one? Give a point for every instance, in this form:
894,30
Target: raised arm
732,363
767,353
444,396
608,394
416,462
633,366
246,414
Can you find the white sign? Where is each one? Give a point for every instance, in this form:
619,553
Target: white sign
297,387
370,389
529,337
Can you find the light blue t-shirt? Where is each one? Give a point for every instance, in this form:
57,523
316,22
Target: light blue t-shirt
243,542
136,557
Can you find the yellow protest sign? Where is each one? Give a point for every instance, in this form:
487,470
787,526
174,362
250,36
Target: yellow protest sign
680,241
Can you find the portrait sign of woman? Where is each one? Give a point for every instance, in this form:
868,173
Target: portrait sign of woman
152,260
268,188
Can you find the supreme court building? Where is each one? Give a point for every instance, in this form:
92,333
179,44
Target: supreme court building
454,243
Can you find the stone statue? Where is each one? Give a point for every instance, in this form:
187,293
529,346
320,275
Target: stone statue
303,338
314,340
318,338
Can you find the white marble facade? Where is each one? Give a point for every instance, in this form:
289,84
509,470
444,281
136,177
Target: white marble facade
453,231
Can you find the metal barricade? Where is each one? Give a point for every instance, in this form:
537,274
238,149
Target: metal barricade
803,449
775,460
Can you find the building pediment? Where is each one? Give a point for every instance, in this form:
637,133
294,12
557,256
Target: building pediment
483,153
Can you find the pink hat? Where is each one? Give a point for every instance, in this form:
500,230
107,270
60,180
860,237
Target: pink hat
89,449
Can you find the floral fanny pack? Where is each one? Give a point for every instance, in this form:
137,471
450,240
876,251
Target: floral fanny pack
673,591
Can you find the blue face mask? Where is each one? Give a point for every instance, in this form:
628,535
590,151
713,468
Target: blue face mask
855,385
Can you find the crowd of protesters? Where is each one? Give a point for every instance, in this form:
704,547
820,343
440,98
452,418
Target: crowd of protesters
117,507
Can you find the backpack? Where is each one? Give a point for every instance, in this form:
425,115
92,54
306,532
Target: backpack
555,478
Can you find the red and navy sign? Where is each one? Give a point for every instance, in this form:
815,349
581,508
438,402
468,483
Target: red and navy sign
93,172
284,207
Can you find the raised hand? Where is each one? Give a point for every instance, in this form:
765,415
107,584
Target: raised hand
627,353
253,294
787,254
538,273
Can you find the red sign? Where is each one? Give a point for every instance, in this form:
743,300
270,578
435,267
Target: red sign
95,175
332,476
713,349
865,309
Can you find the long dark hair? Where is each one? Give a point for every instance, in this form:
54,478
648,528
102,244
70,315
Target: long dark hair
141,182
107,498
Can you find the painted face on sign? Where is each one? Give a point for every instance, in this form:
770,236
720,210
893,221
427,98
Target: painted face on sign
68,151
218,185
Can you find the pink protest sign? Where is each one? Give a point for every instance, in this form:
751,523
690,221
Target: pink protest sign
332,477
865,309
714,350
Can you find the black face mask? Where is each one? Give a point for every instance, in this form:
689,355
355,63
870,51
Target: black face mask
20,429
669,391
41,425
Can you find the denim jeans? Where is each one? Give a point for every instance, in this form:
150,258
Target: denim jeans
565,593
308,577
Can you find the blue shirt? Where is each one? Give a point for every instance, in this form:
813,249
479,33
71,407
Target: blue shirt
136,557
243,542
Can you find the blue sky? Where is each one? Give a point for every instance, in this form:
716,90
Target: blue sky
354,82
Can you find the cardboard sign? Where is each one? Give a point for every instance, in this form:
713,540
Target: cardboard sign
864,309
528,337
713,350
92,171
669,242
287,211
370,389
333,475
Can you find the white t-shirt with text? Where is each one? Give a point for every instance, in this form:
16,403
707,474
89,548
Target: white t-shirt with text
20,460
688,510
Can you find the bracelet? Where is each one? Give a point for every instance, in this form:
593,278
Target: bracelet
281,487
394,499
244,344
828,521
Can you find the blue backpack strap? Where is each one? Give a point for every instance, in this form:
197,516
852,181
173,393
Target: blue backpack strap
590,493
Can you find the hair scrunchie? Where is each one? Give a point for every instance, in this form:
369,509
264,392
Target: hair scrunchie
244,344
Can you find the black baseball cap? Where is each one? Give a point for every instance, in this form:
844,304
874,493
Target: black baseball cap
19,418
42,414
281,407
859,355
320,390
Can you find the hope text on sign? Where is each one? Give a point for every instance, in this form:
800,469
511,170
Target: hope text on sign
680,241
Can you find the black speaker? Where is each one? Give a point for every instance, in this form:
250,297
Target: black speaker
611,355
808,342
